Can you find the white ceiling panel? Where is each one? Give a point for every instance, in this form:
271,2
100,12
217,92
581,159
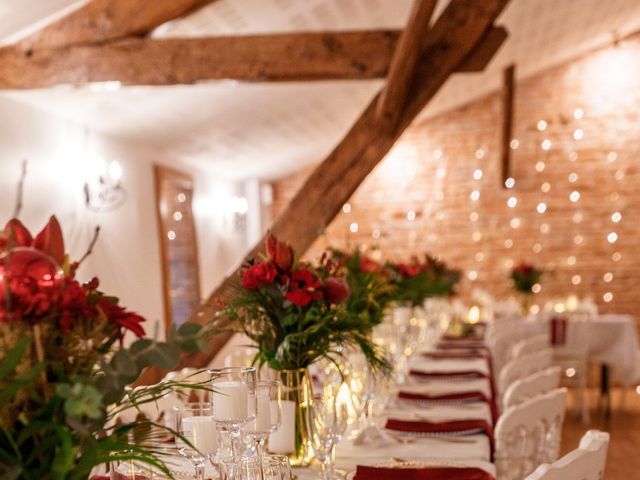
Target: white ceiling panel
244,130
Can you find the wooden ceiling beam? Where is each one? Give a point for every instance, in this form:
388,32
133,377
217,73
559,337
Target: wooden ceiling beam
286,57
404,62
99,21
141,61
459,29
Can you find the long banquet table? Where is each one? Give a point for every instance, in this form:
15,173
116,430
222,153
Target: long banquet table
450,376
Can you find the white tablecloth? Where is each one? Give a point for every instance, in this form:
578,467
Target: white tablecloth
314,474
446,386
427,365
613,340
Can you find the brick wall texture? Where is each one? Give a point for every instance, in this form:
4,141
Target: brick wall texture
574,206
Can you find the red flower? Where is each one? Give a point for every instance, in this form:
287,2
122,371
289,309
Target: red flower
408,270
336,290
369,266
304,287
258,275
121,317
48,241
280,253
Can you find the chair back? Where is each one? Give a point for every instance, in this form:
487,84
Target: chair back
587,462
529,434
530,345
523,367
532,385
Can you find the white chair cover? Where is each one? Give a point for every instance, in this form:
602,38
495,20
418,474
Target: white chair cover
587,462
523,367
532,385
529,434
530,345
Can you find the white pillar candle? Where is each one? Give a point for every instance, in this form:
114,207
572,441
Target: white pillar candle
263,414
283,440
230,401
202,433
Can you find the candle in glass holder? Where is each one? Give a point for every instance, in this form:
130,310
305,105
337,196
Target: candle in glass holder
263,413
230,401
202,433
283,440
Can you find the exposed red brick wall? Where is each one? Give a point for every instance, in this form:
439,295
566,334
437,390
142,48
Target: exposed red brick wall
430,172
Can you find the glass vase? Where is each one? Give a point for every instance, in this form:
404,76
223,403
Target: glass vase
296,397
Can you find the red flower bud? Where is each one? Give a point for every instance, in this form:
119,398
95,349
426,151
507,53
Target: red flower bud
280,253
50,240
368,266
336,289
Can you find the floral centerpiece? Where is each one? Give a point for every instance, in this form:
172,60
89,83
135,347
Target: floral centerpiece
63,366
524,277
295,314
369,284
419,279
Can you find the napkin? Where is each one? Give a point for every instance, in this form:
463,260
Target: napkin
558,330
420,473
451,354
466,427
470,396
448,373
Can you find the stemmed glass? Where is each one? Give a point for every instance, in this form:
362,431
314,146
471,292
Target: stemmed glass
361,387
234,404
327,423
267,414
198,439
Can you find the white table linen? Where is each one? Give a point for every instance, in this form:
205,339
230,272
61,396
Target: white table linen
439,386
449,365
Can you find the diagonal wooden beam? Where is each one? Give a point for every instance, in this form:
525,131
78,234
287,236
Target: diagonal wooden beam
141,61
403,65
102,20
458,30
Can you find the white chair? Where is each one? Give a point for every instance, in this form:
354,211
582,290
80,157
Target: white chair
587,462
530,345
529,434
523,367
532,385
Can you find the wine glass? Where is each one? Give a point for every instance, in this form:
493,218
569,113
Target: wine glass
267,415
361,388
198,439
234,404
327,422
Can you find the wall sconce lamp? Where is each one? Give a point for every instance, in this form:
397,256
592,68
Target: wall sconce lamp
103,191
237,209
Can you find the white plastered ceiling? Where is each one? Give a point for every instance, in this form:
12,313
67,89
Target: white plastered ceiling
268,130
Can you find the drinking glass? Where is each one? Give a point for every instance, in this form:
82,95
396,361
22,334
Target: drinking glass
361,388
285,466
327,422
267,468
198,440
234,405
267,414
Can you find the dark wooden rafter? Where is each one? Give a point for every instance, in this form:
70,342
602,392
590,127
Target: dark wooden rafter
100,21
456,34
402,70
508,92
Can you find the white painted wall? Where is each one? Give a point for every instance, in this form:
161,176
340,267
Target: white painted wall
127,256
